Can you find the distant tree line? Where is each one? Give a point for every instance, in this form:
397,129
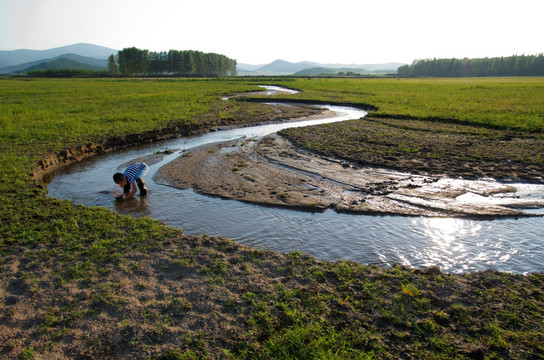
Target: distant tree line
136,62
66,73
517,65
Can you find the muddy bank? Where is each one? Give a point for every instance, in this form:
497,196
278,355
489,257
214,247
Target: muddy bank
429,147
51,162
273,172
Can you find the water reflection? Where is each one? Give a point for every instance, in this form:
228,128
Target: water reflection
137,204
445,246
442,231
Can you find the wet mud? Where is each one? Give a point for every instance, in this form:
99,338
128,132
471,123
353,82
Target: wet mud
271,171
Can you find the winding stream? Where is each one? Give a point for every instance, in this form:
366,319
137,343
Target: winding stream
454,244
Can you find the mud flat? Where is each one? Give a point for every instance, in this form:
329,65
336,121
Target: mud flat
271,171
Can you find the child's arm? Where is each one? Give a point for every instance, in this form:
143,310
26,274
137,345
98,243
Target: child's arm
133,189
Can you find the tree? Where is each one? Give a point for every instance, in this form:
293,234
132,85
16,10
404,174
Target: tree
133,61
189,66
112,65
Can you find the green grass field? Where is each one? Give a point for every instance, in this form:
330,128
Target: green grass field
515,103
60,262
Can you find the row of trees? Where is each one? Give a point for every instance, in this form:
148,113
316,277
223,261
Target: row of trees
517,65
136,62
66,73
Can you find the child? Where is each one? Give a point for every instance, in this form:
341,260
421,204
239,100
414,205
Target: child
132,176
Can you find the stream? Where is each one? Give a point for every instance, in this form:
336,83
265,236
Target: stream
456,245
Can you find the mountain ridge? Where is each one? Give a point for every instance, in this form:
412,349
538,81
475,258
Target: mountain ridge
286,67
16,61
21,56
73,61
282,67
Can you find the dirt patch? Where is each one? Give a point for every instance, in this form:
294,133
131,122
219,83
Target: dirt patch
210,298
272,171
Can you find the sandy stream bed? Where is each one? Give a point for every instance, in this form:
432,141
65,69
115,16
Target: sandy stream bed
271,171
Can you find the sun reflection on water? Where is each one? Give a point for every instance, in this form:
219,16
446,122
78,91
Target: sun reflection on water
445,247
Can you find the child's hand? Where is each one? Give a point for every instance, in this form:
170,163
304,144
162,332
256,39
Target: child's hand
117,192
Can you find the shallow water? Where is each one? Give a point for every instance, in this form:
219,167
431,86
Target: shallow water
454,244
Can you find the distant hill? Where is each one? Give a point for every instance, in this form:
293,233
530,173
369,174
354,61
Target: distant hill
66,61
282,67
316,71
308,68
370,67
17,57
248,67
62,62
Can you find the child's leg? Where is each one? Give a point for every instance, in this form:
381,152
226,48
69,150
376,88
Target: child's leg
140,180
141,185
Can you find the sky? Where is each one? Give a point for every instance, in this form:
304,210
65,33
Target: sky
261,31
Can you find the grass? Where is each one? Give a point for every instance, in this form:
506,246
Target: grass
86,282
514,103
56,114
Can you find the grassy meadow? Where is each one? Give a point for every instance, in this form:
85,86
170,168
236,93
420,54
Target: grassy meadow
515,103
81,282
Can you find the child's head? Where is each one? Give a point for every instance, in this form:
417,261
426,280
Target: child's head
119,179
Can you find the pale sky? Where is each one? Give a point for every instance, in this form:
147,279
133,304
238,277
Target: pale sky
259,32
